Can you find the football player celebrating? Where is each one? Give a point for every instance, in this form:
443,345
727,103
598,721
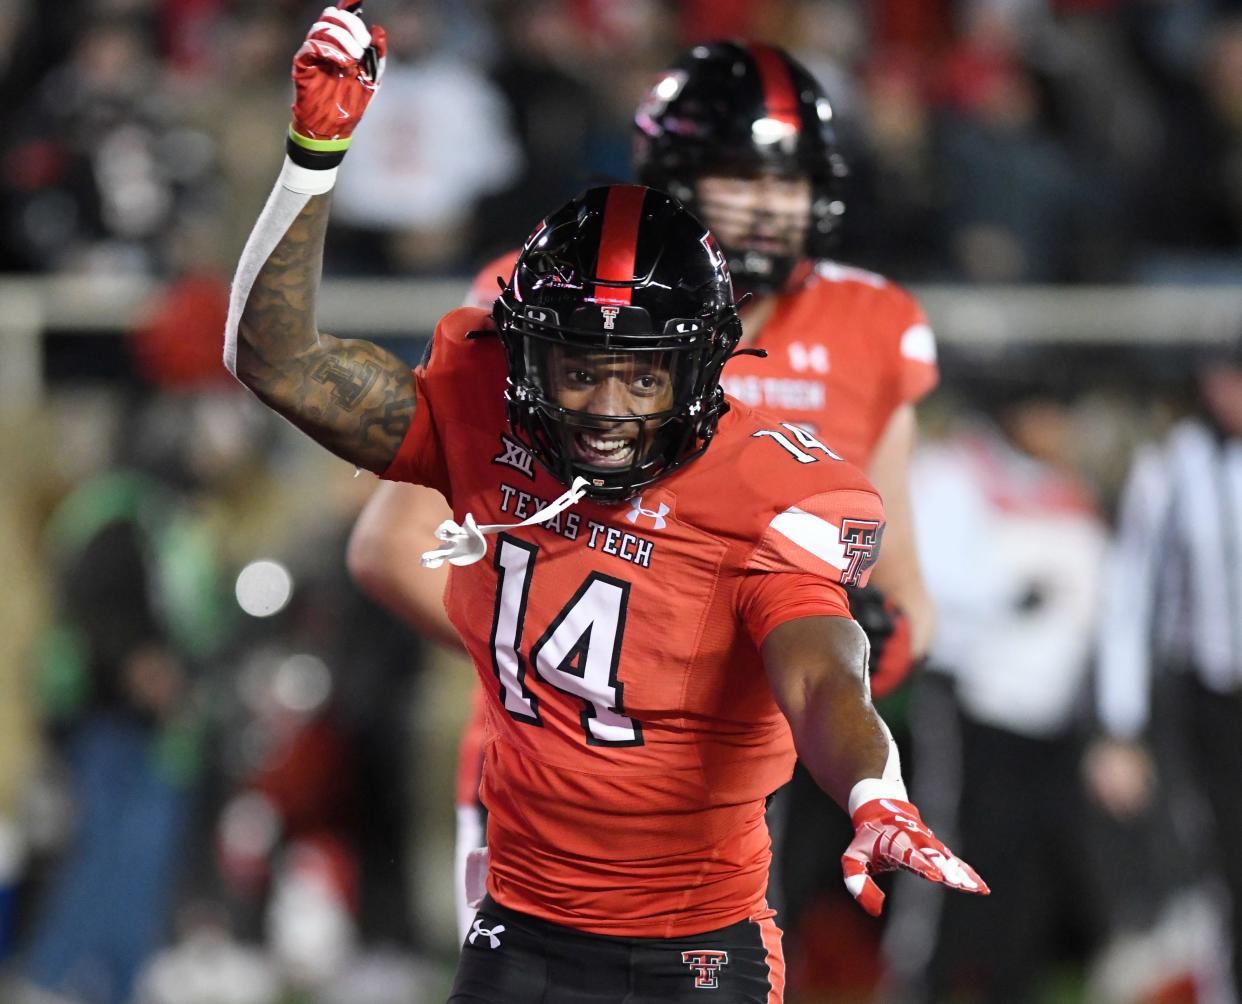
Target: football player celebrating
743,135
688,629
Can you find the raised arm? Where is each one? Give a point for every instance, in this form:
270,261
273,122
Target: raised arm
817,668
350,395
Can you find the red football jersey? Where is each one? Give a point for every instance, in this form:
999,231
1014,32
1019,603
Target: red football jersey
484,289
846,348
632,736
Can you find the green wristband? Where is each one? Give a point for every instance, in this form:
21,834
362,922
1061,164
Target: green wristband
316,154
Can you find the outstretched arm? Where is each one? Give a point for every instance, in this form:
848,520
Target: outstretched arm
350,395
817,667
817,670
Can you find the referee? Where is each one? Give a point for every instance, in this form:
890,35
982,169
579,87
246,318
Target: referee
1172,623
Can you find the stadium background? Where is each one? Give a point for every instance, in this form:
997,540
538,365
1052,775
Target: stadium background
1060,181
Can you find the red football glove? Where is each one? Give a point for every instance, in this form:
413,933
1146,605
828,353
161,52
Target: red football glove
336,72
888,834
888,633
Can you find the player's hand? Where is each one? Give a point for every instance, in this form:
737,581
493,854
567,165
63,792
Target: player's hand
888,632
1120,776
336,72
888,834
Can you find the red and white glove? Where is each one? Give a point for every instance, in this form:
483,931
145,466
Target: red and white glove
888,834
336,72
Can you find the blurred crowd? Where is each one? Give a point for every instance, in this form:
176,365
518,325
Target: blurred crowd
209,730
990,140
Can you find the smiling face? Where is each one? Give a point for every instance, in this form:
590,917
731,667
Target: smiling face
622,389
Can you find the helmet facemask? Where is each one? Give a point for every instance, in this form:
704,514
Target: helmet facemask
622,407
729,110
762,220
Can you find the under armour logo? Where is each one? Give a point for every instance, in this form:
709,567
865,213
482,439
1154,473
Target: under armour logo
514,454
656,516
706,964
492,935
610,317
808,357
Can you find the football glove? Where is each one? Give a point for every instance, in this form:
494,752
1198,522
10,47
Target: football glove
336,72
888,834
888,632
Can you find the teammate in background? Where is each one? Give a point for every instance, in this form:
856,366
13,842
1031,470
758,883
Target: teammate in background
651,689
743,136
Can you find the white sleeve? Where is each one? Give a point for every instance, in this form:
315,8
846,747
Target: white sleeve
1126,627
293,191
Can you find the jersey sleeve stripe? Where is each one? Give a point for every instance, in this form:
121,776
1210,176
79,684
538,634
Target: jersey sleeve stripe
919,343
813,534
834,535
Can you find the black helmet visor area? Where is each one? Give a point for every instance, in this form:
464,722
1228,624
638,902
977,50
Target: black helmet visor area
734,109
615,326
762,220
613,405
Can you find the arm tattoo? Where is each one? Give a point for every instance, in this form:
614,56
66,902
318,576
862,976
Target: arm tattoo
348,388
347,394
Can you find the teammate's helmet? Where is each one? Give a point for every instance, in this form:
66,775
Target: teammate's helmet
621,291
731,108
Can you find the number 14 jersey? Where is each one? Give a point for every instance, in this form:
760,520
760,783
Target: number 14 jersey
632,736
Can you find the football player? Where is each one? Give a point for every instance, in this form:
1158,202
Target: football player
689,627
742,134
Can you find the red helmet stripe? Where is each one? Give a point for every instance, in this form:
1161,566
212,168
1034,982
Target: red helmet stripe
779,94
618,241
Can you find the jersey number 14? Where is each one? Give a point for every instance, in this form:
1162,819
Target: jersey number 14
577,654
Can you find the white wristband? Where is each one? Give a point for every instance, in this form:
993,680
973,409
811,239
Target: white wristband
888,785
282,208
871,788
306,180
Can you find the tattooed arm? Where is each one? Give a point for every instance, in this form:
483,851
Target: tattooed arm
347,394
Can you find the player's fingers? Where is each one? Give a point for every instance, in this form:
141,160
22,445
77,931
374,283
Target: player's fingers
315,51
316,54
350,21
919,863
863,888
959,875
341,37
379,39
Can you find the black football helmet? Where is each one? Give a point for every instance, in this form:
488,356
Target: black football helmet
615,324
740,109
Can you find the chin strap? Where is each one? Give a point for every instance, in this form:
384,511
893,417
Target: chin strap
464,544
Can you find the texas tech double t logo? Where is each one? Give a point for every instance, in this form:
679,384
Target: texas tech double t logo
861,541
706,964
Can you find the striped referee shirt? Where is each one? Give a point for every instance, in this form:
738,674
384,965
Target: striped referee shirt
1173,580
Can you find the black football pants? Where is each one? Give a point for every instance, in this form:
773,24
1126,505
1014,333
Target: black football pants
513,958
